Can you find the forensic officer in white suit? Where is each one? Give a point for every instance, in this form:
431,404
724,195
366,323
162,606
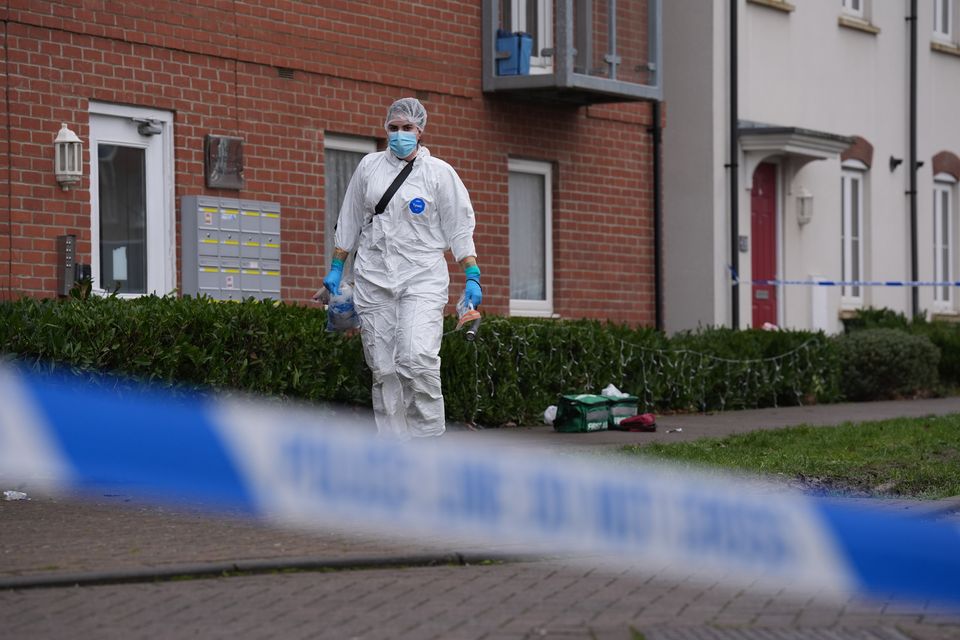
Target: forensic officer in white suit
400,272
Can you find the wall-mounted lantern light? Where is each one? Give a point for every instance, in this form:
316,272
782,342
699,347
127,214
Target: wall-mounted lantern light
68,159
804,206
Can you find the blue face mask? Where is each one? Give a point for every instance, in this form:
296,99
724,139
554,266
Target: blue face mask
402,143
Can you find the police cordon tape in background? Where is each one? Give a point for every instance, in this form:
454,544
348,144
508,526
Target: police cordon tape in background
319,469
826,282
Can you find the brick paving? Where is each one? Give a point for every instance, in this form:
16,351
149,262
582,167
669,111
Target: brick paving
516,600
51,535
106,537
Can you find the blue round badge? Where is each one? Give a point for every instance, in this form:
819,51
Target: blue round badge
417,205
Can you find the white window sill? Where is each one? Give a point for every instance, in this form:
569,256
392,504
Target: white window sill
779,5
946,315
857,24
522,310
950,49
849,309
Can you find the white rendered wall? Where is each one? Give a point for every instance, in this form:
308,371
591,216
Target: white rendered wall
938,129
695,224
800,69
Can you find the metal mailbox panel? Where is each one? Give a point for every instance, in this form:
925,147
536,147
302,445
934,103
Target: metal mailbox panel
230,244
270,277
230,219
208,242
250,280
270,221
270,247
229,279
234,295
231,248
208,217
249,245
250,220
211,293
209,277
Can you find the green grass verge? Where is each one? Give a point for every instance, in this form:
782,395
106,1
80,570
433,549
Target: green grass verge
906,457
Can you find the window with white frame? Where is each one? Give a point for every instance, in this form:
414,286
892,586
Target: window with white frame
531,238
536,18
943,240
342,154
943,19
852,231
854,8
132,221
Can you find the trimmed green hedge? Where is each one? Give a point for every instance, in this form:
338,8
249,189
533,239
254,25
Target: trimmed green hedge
886,363
256,347
510,374
944,335
519,366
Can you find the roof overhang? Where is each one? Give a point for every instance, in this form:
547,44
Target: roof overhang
798,142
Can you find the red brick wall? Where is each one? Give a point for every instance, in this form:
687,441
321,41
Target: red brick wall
216,68
5,184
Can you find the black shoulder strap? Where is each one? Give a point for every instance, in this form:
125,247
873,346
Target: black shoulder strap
392,189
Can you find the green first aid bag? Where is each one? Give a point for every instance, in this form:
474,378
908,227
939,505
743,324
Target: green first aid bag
583,412
620,408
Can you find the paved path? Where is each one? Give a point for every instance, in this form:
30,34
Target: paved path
294,584
685,427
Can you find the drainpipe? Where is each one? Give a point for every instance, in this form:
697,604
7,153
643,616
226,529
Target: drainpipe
657,134
912,193
734,173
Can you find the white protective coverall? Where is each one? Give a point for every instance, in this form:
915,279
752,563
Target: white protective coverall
401,281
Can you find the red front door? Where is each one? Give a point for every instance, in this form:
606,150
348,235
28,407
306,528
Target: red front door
763,249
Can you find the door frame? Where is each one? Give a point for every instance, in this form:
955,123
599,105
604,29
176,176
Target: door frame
161,216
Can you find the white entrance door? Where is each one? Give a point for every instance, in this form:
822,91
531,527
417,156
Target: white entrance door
131,195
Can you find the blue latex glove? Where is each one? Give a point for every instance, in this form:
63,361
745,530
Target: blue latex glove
332,281
473,294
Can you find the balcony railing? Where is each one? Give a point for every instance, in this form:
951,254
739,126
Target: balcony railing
574,51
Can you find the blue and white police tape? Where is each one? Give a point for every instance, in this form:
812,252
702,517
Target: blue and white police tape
856,283
819,282
299,468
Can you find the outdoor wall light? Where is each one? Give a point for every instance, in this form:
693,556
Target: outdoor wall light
895,162
68,159
804,206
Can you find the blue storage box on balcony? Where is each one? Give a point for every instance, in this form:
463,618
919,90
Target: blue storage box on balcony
519,47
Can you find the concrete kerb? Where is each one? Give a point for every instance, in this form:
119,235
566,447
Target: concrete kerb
219,569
